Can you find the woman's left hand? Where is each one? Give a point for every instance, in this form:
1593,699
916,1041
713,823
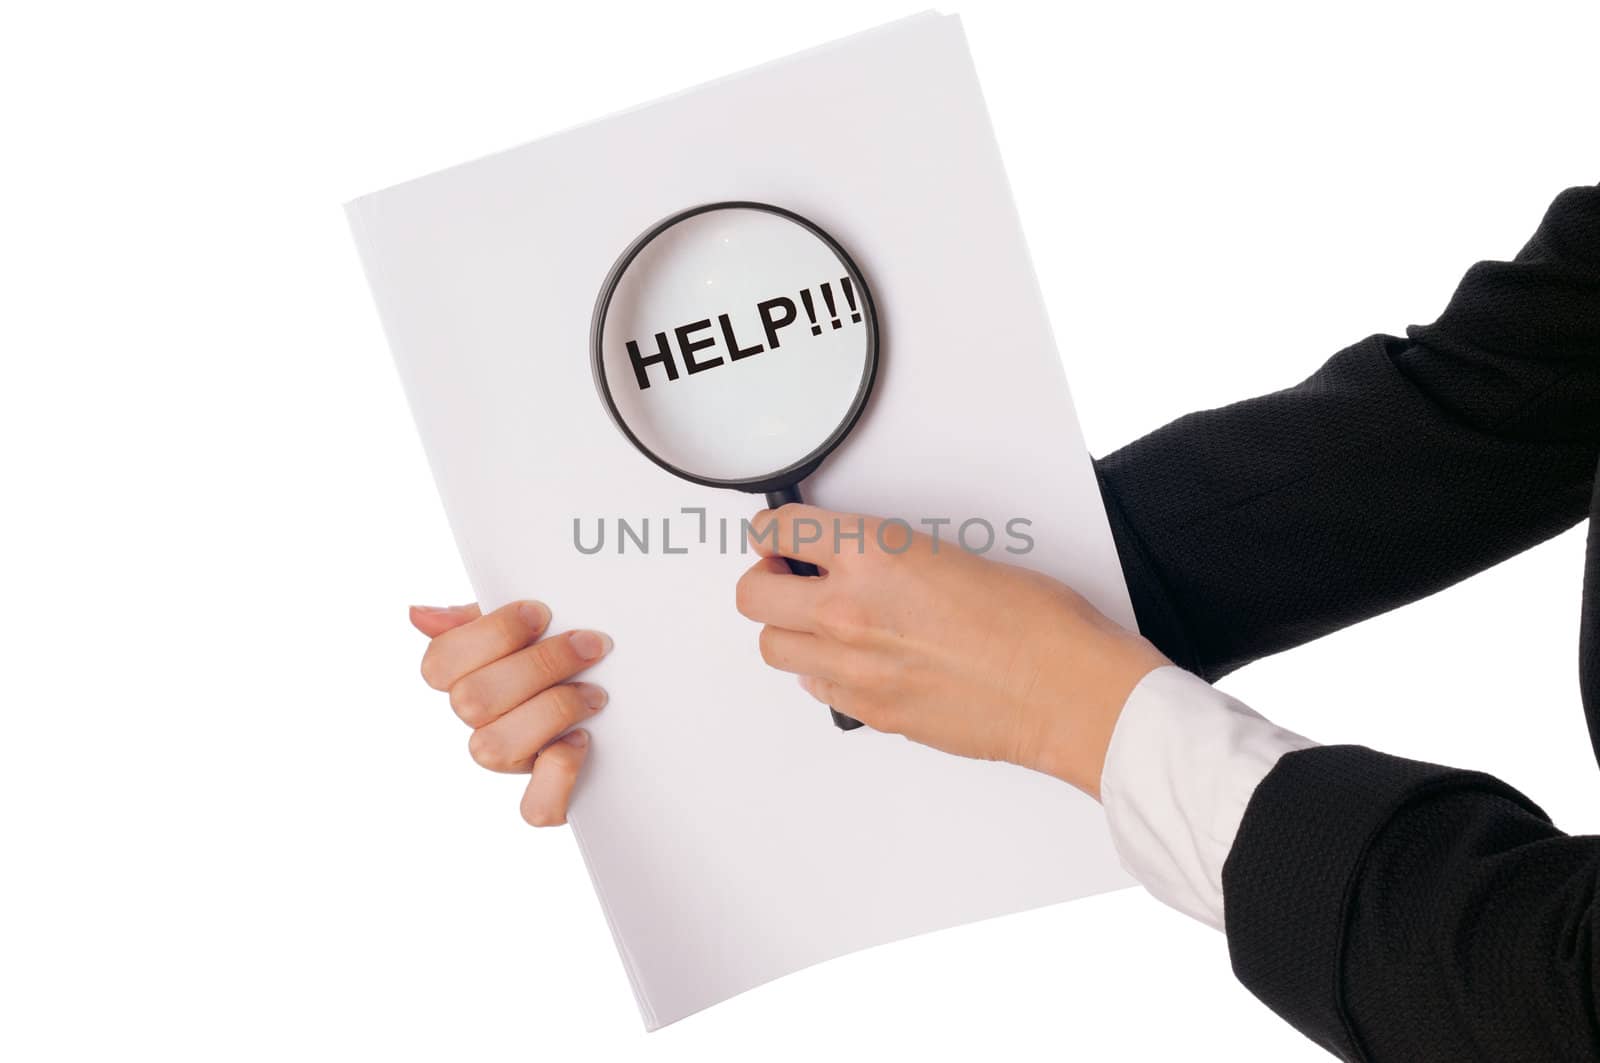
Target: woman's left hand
922,638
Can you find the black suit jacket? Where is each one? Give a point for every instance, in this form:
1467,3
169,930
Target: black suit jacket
1390,909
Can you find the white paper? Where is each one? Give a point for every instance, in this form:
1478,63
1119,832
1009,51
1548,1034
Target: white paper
733,835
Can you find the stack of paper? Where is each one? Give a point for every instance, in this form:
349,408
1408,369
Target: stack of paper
732,833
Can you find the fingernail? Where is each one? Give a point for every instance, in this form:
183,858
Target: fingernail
590,645
576,739
593,696
534,614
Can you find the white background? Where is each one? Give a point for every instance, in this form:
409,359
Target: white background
233,822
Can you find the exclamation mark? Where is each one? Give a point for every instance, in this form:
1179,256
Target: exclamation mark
827,297
811,311
850,297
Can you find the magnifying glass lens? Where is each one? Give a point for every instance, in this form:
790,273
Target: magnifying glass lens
735,344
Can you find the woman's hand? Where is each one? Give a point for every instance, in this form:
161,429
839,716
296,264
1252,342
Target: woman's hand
511,687
964,654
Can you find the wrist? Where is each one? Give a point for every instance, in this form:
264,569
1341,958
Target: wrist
1079,712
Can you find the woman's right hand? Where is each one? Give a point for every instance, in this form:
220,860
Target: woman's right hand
511,686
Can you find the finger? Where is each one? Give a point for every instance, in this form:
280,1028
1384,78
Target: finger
770,594
511,743
850,701
804,532
806,654
502,685
544,802
435,620
474,644
824,690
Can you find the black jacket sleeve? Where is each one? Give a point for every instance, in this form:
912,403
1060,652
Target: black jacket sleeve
1394,910
1389,909
1398,468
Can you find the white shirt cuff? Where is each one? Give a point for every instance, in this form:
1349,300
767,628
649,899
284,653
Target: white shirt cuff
1183,761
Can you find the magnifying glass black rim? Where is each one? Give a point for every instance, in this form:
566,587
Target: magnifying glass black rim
798,471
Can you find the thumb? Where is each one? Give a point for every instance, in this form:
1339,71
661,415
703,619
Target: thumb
434,620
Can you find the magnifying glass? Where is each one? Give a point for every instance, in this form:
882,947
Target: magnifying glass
735,345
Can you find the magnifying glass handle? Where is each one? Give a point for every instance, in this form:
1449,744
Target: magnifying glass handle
806,568
840,720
